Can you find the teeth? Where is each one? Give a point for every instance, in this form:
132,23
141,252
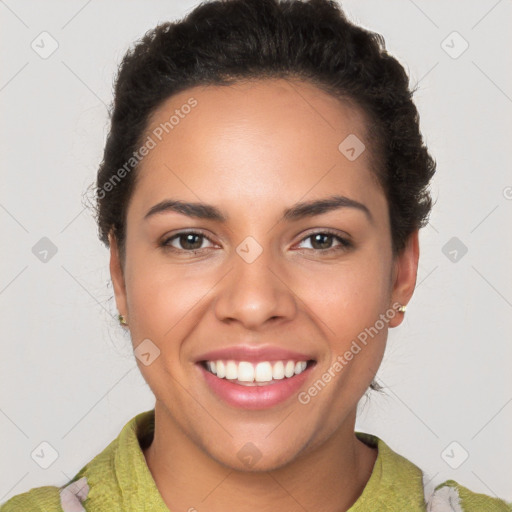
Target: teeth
289,369
221,369
278,370
231,370
245,371
300,366
264,371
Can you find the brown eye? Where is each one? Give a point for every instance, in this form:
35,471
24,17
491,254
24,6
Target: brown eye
322,241
186,241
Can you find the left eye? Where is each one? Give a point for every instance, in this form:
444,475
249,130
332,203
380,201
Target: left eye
322,241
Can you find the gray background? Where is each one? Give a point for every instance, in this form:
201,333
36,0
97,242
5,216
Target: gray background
68,375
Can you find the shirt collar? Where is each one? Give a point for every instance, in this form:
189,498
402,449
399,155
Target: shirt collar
121,473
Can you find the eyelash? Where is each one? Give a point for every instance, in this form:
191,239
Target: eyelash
344,243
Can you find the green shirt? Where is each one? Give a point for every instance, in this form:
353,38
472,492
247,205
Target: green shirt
118,479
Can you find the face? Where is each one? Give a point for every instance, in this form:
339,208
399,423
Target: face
256,278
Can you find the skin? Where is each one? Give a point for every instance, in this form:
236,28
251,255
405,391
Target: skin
252,150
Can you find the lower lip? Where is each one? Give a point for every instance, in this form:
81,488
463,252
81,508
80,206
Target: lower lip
255,397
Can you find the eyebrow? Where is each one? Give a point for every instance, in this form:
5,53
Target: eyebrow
296,212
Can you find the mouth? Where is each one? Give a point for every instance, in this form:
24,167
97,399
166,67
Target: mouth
255,384
263,373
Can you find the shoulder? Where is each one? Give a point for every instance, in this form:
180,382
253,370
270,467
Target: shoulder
398,482
453,497
68,498
104,483
39,499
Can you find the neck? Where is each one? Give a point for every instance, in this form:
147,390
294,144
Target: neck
328,478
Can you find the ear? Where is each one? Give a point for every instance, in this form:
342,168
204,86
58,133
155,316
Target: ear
405,271
116,274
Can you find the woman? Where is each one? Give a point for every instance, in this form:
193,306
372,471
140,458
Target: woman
261,192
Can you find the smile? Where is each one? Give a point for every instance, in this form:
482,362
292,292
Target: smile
258,385
255,374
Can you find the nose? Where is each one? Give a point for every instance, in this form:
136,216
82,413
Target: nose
255,293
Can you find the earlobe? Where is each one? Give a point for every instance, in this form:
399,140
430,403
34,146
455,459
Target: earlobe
117,276
405,274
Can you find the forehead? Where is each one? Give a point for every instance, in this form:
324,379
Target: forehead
256,101
260,138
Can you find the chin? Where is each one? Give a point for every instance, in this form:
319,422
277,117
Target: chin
257,463
256,456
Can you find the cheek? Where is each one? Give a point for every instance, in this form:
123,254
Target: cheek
163,304
349,303
161,297
165,299
349,296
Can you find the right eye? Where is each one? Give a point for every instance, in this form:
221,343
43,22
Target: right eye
190,241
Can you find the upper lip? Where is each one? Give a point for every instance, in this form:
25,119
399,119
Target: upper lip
253,354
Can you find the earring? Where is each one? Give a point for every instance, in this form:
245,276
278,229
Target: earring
402,309
122,320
